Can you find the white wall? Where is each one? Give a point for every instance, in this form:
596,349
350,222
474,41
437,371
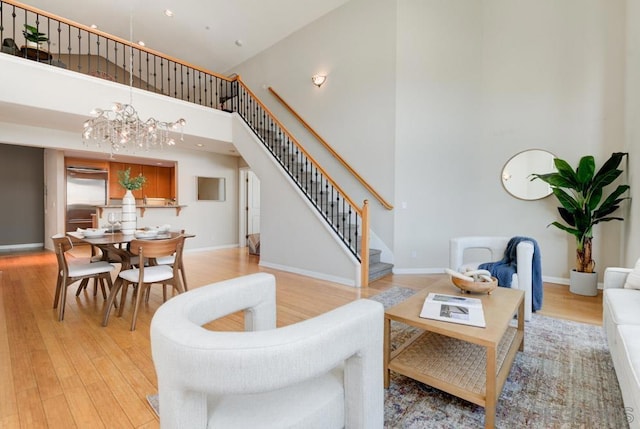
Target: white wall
472,83
354,46
632,91
481,81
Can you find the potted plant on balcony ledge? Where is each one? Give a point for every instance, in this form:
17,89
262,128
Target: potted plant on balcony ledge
583,205
35,39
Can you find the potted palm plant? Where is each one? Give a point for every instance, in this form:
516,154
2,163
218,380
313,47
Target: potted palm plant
583,204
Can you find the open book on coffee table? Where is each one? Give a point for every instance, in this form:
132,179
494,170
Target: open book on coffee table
452,308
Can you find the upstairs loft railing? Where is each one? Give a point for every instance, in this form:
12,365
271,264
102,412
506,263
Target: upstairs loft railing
83,49
89,51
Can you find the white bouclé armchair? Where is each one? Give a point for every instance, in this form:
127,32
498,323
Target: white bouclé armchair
496,247
324,372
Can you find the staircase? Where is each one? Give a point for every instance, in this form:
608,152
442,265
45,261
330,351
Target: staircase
321,196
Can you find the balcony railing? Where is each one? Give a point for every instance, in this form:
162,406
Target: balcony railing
85,50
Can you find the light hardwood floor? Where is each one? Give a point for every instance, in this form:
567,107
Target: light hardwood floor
76,373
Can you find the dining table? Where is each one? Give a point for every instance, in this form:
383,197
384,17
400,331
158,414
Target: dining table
114,248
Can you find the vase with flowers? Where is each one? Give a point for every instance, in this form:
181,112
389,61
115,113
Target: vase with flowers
128,219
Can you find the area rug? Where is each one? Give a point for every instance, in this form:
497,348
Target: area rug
564,379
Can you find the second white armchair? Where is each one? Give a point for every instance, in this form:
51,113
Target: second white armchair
526,275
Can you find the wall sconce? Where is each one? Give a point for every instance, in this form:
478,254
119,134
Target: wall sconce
318,79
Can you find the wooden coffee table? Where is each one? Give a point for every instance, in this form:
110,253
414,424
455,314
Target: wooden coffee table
466,361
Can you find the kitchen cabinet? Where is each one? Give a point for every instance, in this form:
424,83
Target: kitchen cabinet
159,183
86,163
165,183
115,190
150,188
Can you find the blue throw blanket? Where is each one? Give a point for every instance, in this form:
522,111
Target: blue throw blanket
505,268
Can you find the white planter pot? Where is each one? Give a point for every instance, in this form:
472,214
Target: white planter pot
34,45
583,283
128,218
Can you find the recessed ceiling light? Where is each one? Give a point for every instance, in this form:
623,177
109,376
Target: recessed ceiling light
239,42
199,144
141,43
168,12
95,27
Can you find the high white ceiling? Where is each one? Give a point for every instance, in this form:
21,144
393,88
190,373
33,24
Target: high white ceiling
201,32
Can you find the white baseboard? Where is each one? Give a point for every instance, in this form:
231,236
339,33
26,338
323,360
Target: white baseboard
557,280
204,249
548,279
312,274
418,270
27,246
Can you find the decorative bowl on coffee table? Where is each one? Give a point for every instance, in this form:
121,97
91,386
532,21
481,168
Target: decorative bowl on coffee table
473,286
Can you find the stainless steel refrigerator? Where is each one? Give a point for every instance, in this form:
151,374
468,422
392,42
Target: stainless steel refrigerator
86,189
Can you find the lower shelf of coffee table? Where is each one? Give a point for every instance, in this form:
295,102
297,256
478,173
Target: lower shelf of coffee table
455,366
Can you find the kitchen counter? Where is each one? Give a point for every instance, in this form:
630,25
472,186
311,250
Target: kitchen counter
142,208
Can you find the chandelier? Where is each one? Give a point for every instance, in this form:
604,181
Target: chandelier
120,128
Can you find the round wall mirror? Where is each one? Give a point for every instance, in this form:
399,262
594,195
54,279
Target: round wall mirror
515,174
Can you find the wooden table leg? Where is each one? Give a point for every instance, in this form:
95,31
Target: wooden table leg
521,323
387,350
125,258
110,300
490,388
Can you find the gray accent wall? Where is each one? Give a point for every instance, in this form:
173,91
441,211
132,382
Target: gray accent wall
22,195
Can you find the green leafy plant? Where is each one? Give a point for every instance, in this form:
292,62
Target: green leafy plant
580,194
32,34
131,183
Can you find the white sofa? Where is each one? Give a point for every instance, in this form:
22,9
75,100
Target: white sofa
621,322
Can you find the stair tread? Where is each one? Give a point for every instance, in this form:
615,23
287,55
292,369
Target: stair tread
379,266
379,270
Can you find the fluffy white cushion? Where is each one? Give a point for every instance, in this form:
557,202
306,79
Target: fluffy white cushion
633,279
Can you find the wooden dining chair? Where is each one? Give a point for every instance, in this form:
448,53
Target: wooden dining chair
143,276
170,260
69,273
